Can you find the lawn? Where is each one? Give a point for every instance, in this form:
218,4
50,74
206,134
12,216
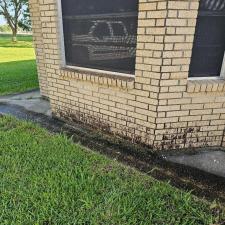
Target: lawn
18,71
46,179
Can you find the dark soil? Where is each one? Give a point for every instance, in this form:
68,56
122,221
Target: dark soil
142,158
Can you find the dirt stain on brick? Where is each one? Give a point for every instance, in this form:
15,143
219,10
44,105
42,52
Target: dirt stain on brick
143,158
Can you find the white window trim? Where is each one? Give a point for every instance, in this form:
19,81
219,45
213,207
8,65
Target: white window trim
61,34
222,73
63,56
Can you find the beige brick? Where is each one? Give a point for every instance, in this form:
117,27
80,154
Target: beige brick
158,100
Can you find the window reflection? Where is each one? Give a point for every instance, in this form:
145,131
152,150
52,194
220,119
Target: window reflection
102,41
212,5
209,44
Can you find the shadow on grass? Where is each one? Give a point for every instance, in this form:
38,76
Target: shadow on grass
23,41
20,37
18,44
18,76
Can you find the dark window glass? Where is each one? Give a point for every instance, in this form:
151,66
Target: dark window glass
100,34
118,29
209,42
101,31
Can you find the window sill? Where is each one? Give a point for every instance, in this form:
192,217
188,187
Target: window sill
121,80
216,84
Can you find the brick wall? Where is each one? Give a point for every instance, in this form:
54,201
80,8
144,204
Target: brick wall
190,113
159,106
38,44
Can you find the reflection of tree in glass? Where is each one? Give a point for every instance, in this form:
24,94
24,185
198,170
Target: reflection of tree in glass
213,5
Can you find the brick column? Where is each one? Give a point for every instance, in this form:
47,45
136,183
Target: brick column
172,119
190,113
34,6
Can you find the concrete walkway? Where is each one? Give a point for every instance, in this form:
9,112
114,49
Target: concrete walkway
212,161
30,101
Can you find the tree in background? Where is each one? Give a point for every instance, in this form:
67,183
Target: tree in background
25,21
5,28
16,14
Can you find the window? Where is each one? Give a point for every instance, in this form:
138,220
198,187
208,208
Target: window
209,42
101,31
118,29
100,34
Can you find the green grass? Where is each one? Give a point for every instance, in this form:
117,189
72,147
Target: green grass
46,179
18,71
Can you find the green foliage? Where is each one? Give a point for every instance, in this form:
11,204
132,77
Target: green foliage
17,65
16,13
46,179
5,28
25,22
